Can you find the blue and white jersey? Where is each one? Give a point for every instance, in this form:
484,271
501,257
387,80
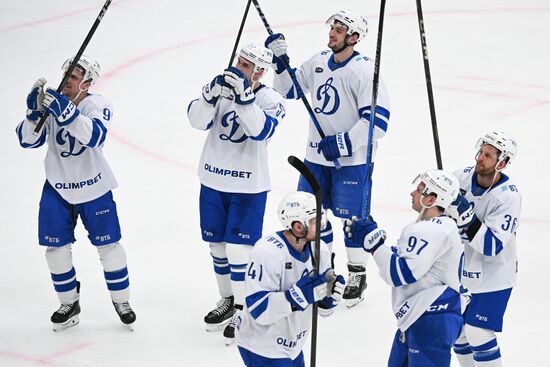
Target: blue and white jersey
75,165
268,325
423,264
341,97
490,259
234,156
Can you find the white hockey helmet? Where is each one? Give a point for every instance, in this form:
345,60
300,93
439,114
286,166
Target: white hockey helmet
505,145
90,67
298,206
261,57
355,22
443,185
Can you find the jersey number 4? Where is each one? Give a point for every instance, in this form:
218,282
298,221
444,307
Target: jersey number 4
252,272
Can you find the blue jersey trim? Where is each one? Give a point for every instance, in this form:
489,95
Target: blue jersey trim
300,256
479,190
334,66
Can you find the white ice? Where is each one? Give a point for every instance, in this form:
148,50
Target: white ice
490,69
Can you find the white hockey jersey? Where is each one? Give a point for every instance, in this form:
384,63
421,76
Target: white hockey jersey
425,261
75,165
234,156
268,326
490,259
341,97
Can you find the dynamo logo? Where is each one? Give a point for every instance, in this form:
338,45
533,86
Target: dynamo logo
328,95
230,118
66,140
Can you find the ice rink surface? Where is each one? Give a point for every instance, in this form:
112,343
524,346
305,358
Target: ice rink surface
490,69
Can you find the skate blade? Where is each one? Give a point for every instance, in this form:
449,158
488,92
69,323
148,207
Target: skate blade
216,327
70,322
229,341
354,301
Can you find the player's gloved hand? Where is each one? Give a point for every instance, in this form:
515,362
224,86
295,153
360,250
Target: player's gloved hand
306,291
35,97
60,107
335,290
335,146
462,211
212,91
276,43
365,232
237,80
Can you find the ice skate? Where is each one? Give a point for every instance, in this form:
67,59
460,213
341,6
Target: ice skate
67,314
229,331
356,285
126,314
221,315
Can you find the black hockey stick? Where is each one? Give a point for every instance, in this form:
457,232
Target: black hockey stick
312,181
75,61
366,200
429,83
239,34
295,82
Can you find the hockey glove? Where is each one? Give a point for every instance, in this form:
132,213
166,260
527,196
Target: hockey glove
60,107
335,146
365,232
335,290
462,211
35,97
237,80
212,91
308,290
276,43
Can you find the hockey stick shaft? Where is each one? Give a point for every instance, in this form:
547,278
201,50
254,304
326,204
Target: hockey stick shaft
299,90
310,178
233,53
75,61
366,199
429,83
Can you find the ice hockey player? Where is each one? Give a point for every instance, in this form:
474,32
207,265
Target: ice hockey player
78,184
423,269
240,115
488,211
281,285
340,84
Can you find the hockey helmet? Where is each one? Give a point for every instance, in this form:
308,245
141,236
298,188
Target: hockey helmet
505,145
261,57
444,186
89,66
298,206
355,22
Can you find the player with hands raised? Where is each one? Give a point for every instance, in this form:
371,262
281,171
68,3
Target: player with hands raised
423,271
240,115
339,81
79,183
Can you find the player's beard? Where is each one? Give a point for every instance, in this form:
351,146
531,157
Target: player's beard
484,171
338,47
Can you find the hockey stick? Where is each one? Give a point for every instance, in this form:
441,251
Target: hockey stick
366,200
75,61
295,82
429,83
239,34
310,178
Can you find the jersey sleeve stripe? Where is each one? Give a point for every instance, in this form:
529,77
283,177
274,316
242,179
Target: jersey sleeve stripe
406,271
99,133
488,241
259,309
268,130
393,271
41,140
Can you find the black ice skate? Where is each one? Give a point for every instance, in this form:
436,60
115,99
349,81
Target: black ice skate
221,315
356,285
126,314
229,331
67,314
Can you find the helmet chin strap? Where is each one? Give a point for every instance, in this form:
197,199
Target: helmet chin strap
297,237
80,90
424,207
